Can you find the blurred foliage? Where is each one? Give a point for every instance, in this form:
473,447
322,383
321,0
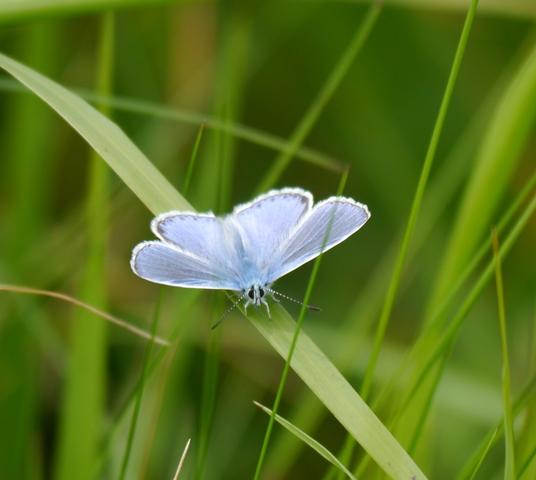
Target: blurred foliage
262,64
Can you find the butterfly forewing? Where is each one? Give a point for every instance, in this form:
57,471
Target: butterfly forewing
162,263
328,224
266,223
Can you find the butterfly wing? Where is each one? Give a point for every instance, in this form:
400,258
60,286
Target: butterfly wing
162,263
329,223
196,251
267,222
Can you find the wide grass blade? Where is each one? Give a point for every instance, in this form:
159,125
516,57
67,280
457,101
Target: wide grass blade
106,138
24,10
316,446
28,135
84,395
309,362
499,154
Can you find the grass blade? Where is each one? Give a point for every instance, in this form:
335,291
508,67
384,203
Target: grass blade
324,96
509,467
509,128
84,395
293,343
483,455
90,308
309,362
514,8
181,461
23,10
316,446
106,138
417,200
243,132
497,431
139,395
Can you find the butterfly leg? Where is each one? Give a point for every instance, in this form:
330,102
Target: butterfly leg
265,303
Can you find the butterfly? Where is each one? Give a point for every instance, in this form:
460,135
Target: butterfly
249,249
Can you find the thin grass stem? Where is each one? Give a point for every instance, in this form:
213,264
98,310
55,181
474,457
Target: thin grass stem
324,96
509,466
293,344
139,394
416,204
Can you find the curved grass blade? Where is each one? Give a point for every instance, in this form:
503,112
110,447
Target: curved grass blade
90,308
309,362
244,132
316,446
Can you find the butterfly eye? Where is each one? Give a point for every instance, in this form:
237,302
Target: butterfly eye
251,294
261,292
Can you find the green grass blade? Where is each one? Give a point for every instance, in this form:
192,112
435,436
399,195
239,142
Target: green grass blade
442,189
499,154
496,432
27,185
417,200
308,361
191,163
106,138
308,440
24,10
293,343
515,8
483,454
507,132
324,96
527,440
509,467
139,394
524,469
443,343
84,396
243,132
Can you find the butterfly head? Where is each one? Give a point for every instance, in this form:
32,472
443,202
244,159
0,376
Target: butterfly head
255,295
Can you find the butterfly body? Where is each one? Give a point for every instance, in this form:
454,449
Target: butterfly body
249,249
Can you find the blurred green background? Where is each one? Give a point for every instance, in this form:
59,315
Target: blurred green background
164,68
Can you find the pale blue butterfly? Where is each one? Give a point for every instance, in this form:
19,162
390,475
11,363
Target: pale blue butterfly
249,249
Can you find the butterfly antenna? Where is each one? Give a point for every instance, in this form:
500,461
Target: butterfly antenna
229,309
313,308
